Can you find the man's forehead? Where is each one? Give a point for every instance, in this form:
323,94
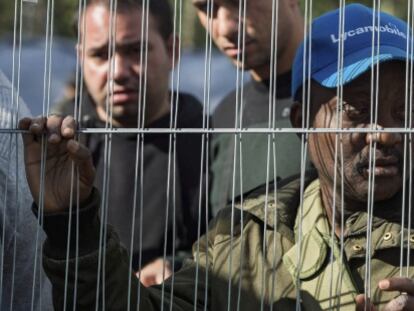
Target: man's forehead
389,78
100,11
97,40
128,25
228,2
101,16
387,73
216,2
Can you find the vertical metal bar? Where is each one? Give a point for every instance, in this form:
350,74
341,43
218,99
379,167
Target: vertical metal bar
306,82
44,143
107,157
237,138
15,106
409,86
204,155
339,109
176,106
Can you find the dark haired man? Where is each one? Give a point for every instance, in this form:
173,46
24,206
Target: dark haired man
309,249
249,24
115,71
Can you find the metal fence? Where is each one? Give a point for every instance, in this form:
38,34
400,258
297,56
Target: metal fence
270,130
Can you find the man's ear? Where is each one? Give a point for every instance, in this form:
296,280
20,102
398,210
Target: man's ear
173,49
296,114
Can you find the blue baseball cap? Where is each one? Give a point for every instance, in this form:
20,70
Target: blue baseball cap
358,46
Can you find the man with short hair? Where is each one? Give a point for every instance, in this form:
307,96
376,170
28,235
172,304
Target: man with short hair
268,90
127,82
306,248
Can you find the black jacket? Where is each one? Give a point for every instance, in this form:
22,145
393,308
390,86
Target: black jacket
149,192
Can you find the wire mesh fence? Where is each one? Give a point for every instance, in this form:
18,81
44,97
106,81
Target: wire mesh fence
295,190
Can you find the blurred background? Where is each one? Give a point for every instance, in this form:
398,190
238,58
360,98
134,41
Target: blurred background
32,17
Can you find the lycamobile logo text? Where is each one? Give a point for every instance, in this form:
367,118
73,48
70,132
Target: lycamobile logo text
362,30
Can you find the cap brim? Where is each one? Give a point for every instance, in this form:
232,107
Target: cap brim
355,64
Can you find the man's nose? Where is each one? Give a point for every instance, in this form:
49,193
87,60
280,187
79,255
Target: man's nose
386,139
228,22
121,68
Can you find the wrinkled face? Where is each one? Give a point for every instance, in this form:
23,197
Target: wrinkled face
388,168
124,69
258,28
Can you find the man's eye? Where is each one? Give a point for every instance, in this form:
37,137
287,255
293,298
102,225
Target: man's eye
135,51
354,112
100,55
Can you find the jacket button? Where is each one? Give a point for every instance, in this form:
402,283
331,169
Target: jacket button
387,236
412,238
357,248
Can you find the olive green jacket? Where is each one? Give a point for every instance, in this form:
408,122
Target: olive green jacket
246,261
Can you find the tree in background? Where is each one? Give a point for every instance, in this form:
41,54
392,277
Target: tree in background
34,17
394,7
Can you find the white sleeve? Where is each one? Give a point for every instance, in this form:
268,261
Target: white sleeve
9,116
22,236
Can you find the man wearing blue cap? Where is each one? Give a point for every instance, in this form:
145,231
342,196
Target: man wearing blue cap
305,246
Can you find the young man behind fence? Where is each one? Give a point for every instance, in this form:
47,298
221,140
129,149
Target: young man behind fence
260,37
130,90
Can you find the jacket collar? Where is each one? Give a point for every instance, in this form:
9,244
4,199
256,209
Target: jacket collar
312,214
280,207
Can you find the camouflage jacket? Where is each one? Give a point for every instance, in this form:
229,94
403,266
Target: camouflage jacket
247,261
